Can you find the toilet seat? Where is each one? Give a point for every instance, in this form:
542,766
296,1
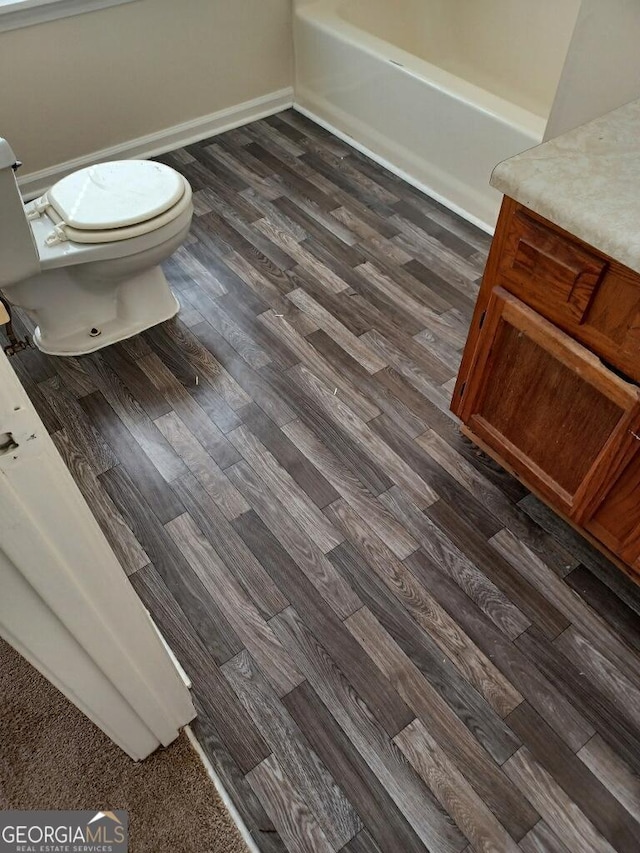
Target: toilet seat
110,202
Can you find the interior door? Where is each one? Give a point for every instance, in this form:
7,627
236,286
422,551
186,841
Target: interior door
65,602
549,407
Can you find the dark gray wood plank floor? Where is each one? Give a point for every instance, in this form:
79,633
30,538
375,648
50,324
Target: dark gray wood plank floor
393,647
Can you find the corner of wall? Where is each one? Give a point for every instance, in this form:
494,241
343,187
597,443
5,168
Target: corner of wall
602,68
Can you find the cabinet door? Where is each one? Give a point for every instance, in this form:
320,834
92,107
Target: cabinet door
549,408
613,514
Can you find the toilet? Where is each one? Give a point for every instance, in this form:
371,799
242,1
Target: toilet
84,259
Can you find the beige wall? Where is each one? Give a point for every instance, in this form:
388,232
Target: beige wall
80,84
602,70
522,44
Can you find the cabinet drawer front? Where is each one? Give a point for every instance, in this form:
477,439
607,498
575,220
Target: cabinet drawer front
549,271
548,406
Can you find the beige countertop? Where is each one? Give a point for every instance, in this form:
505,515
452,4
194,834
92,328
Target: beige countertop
586,181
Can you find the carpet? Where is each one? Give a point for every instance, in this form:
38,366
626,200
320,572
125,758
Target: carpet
53,757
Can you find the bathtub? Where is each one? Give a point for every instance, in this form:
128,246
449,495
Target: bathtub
438,91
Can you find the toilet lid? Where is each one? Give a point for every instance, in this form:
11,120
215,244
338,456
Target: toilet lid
115,195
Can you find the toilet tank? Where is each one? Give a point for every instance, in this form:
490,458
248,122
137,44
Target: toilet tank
18,253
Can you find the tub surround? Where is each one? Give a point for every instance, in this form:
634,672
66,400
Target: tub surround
550,379
427,107
483,42
587,182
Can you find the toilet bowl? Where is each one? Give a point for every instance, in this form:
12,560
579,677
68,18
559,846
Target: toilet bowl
84,259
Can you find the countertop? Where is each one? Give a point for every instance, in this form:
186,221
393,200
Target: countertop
586,181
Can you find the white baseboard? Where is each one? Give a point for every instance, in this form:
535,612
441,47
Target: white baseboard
174,660
386,164
35,183
222,792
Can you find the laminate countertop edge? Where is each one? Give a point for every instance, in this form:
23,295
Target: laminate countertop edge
586,181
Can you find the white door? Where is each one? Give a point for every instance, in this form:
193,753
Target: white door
65,602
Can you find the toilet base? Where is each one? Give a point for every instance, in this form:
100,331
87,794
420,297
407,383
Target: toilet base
79,344
139,303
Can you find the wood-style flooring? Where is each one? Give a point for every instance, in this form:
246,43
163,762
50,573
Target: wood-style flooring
393,646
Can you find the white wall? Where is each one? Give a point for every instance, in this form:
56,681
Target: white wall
76,85
602,70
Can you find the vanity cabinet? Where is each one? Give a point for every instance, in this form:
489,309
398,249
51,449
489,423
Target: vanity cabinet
547,384
615,520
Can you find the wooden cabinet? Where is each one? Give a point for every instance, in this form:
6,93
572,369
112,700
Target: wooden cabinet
544,394
545,403
593,298
548,271
615,520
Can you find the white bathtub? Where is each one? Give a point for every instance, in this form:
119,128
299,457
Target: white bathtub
437,90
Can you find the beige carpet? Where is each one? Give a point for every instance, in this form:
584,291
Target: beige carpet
53,757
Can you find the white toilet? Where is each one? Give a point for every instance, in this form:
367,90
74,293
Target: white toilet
83,260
